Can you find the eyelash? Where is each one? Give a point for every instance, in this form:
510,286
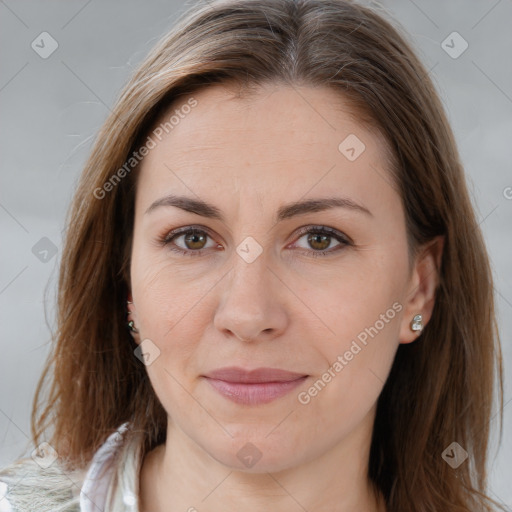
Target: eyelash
317,230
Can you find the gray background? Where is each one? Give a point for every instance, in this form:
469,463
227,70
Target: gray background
52,108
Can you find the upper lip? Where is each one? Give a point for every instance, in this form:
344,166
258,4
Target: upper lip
236,374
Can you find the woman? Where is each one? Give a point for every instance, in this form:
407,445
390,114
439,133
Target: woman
274,294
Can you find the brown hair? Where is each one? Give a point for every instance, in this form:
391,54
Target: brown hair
440,388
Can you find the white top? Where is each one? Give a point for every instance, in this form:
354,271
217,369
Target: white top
5,506
93,495
25,485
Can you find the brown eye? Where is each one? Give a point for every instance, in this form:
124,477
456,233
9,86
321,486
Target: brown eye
195,240
319,240
190,241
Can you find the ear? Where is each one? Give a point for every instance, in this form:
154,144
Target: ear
422,286
132,316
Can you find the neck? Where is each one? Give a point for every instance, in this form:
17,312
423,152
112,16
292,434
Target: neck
180,476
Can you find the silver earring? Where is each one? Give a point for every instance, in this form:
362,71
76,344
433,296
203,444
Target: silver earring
132,327
417,323
131,324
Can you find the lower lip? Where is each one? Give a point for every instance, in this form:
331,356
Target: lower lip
254,394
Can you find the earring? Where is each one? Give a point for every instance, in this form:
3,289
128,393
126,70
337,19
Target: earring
131,324
417,323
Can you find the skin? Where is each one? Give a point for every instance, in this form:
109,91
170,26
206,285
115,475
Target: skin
286,309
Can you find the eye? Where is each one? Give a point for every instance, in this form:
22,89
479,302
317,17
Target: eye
191,241
320,239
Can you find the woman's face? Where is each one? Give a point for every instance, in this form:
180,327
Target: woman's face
252,289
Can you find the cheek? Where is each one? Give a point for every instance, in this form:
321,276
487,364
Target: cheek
171,315
358,358
338,400
165,290
361,311
366,291
357,361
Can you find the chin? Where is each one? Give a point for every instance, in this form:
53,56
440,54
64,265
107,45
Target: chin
256,452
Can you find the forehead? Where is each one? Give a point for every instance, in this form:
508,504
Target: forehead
277,139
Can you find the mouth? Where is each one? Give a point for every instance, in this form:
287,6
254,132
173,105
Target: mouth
253,387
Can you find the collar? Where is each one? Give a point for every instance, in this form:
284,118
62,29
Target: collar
99,476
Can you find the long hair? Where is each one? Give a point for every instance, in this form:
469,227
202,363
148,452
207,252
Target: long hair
440,389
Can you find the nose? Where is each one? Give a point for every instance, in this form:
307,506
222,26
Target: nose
252,305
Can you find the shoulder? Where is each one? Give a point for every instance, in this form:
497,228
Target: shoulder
43,485
27,485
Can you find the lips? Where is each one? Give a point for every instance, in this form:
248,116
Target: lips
253,387
258,375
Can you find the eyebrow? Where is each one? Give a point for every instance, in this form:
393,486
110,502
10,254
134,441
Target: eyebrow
288,211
